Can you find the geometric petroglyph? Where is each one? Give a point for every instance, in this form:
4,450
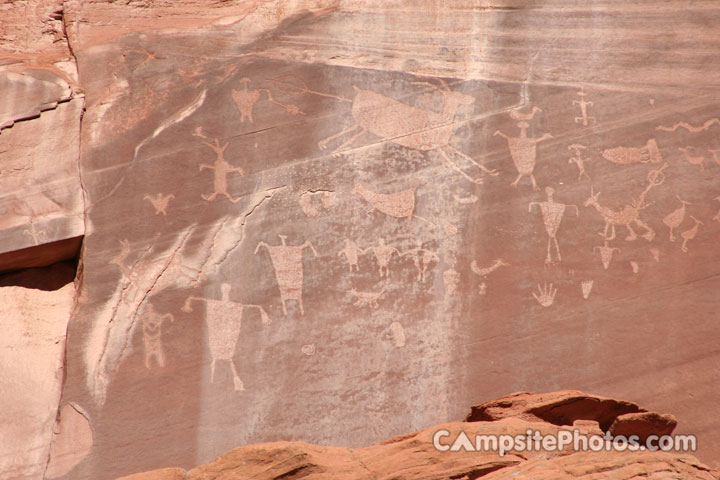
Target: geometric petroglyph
689,127
552,213
308,349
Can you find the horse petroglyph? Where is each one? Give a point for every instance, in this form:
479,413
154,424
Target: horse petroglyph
152,335
287,262
552,213
221,169
224,321
523,150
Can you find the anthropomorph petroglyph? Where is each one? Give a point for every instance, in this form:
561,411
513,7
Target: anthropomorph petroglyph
383,254
545,295
152,335
688,235
288,265
245,100
370,299
34,233
689,127
422,258
584,118
579,160
628,155
693,159
159,202
606,252
552,213
399,204
523,150
410,126
351,252
221,169
586,288
676,217
224,321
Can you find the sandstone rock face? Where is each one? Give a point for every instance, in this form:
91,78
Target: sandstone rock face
336,220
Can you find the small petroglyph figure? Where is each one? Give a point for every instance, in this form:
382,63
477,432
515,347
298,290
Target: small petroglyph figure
675,218
367,299
308,349
586,288
579,160
627,155
545,295
383,254
398,334
224,321
35,233
245,100
717,216
422,258
517,115
152,335
606,252
655,252
583,104
692,159
689,127
552,213
688,235
523,151
451,278
221,169
159,202
351,252
465,200
482,288
484,272
635,266
287,262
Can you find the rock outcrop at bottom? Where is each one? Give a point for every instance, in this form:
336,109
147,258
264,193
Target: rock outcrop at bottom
415,456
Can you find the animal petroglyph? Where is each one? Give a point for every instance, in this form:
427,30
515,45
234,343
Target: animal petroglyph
586,288
287,262
552,213
159,202
221,169
523,150
383,254
398,334
422,258
628,155
606,253
152,335
363,299
399,204
313,208
245,100
545,295
351,252
584,118
675,218
308,349
579,159
518,115
689,127
224,321
410,126
696,160
688,235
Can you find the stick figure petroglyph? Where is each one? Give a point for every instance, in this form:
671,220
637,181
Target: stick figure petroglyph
287,262
579,160
383,254
676,217
159,202
351,252
523,150
688,235
552,213
224,321
246,99
545,295
696,160
221,169
583,104
422,258
628,155
152,334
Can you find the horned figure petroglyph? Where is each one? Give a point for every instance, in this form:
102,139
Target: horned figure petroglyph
583,104
351,252
383,254
159,202
545,295
696,160
675,218
224,321
688,235
552,213
410,126
627,155
246,99
221,169
422,258
399,204
523,149
287,262
152,334
370,299
630,213
579,160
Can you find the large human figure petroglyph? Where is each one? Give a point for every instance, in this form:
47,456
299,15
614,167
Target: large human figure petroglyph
410,126
152,335
552,214
224,321
221,168
287,262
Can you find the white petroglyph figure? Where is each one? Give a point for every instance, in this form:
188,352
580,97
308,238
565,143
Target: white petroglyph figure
351,252
523,150
584,118
579,159
152,335
676,217
221,170
383,254
545,295
552,213
159,202
422,258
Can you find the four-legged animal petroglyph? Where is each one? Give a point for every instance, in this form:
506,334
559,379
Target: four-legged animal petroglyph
246,99
688,235
675,218
383,254
545,295
370,299
628,155
159,202
552,213
351,252
690,128
583,104
287,262
152,334
221,169
422,258
523,150
579,160
696,160
224,321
